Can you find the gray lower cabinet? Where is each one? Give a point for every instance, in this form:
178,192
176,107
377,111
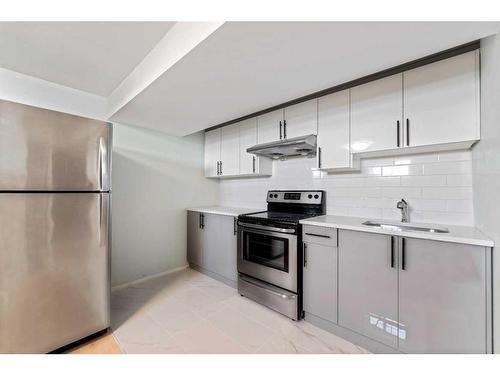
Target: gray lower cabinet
319,267
442,297
211,243
368,286
320,281
219,246
415,295
194,238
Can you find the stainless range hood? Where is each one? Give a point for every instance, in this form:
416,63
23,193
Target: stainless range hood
299,146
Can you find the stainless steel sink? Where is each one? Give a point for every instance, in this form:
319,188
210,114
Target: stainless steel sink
405,227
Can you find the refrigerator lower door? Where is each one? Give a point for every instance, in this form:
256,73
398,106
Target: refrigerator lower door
54,269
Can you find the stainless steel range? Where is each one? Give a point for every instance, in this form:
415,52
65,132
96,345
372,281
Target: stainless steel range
269,244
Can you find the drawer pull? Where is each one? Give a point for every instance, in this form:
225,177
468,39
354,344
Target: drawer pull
318,235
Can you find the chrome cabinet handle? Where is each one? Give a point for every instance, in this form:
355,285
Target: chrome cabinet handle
398,128
253,164
234,227
318,235
284,129
392,251
403,251
217,168
220,167
281,125
319,157
304,255
407,131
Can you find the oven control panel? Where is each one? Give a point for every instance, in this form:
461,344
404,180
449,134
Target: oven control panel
295,196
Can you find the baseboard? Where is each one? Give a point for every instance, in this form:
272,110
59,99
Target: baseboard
146,278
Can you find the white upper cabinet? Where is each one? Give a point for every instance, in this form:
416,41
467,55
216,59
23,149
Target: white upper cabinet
248,138
212,152
249,163
301,119
376,114
333,131
441,101
230,150
226,152
270,127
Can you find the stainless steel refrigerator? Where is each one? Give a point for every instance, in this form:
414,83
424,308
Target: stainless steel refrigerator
55,201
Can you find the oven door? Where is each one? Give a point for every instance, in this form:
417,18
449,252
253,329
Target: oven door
268,254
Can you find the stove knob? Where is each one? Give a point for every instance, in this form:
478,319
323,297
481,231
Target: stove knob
316,196
270,195
310,196
275,195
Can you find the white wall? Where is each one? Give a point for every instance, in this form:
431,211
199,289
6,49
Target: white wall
486,164
437,187
155,178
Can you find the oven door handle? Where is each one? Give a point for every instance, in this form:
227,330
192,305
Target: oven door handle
266,228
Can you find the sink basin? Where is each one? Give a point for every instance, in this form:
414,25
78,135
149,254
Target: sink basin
405,227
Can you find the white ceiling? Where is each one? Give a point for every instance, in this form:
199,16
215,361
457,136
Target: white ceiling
244,67
89,56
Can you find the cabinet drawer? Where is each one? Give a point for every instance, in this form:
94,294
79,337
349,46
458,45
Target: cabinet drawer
320,235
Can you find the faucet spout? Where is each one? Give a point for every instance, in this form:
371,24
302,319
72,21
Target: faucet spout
403,206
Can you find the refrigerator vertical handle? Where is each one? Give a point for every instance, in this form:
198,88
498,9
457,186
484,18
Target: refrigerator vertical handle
103,217
103,165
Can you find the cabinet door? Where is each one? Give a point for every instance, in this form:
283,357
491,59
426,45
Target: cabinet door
376,108
212,152
320,281
268,127
230,150
442,297
227,248
301,119
441,101
194,239
368,285
248,138
334,131
211,232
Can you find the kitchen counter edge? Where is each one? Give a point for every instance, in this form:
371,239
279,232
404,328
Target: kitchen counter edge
457,234
223,210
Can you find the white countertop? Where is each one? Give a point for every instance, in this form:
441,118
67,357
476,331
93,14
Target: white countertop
457,234
221,210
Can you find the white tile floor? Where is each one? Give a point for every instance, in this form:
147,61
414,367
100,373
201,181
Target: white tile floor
188,312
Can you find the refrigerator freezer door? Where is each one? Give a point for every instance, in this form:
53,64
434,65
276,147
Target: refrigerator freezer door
52,151
54,269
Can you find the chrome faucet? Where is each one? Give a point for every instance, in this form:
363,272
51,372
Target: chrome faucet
403,206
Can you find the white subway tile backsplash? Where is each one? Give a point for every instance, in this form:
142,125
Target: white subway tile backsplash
459,180
371,171
436,180
452,167
459,205
382,181
427,204
402,192
447,193
402,170
454,156
448,218
437,186
416,159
